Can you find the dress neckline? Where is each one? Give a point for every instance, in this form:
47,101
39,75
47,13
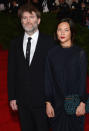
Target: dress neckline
67,48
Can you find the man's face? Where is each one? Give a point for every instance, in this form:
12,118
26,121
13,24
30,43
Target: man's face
30,22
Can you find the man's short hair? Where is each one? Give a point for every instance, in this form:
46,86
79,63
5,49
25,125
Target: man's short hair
28,7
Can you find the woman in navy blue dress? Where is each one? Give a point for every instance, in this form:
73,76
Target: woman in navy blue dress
66,69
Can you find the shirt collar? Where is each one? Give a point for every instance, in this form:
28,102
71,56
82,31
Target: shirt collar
35,35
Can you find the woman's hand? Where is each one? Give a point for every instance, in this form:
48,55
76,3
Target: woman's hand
80,111
49,110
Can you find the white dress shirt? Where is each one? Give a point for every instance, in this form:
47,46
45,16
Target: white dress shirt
33,44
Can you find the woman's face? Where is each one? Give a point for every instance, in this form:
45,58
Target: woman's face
64,33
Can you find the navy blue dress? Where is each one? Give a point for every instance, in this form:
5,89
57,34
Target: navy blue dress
65,74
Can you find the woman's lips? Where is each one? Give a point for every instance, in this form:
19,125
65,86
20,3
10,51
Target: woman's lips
62,37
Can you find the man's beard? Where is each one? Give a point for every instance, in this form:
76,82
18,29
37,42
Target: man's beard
32,29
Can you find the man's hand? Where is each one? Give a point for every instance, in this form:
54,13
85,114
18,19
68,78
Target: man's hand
13,105
49,110
80,111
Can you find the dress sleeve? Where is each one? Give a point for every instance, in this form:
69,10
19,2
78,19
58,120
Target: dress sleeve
83,74
49,82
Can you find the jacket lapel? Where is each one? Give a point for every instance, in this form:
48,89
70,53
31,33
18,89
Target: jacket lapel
37,51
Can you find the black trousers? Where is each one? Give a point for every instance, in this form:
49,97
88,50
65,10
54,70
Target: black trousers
33,119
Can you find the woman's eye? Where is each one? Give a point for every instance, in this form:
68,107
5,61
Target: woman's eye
66,30
59,30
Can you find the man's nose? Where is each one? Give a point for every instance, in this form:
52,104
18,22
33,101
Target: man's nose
28,19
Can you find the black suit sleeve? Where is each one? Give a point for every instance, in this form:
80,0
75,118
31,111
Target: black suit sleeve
12,71
83,74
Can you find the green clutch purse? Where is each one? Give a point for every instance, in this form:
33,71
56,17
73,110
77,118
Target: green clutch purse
71,102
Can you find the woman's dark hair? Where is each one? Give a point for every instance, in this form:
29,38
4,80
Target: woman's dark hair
72,26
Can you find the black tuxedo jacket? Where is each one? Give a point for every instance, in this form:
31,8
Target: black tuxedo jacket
26,83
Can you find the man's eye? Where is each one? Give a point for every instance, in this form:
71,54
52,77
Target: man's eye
24,18
31,17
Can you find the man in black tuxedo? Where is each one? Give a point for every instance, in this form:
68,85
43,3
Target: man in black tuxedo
26,71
